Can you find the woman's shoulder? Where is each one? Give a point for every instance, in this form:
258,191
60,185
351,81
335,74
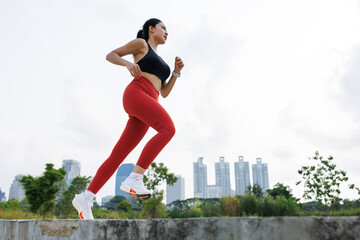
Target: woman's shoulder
139,42
140,46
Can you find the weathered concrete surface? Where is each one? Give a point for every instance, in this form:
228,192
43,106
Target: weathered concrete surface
274,228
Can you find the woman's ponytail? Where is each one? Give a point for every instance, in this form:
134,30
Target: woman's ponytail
140,34
144,32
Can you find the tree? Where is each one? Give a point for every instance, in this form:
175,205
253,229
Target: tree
41,191
114,202
156,175
78,184
352,186
256,190
154,208
124,206
322,180
280,190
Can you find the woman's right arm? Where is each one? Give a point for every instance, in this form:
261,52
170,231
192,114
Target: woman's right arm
134,47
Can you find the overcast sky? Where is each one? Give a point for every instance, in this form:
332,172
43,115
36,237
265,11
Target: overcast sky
273,79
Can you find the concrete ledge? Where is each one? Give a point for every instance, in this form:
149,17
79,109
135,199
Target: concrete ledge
277,228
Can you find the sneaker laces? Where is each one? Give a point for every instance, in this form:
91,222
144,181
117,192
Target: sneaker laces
139,179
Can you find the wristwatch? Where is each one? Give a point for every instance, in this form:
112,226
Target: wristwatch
176,74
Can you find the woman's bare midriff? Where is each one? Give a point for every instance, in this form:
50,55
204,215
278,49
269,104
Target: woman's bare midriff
156,82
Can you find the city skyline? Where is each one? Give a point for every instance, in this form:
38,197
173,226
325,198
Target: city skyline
223,186
222,170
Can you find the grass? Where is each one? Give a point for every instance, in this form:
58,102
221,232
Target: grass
332,213
111,214
18,214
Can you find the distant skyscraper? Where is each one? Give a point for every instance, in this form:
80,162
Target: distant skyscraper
2,196
17,191
222,176
177,191
72,169
122,173
260,174
200,178
242,176
213,191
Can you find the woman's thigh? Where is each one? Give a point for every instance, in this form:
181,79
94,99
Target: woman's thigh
139,104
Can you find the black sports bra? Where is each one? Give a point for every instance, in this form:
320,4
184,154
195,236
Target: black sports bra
153,63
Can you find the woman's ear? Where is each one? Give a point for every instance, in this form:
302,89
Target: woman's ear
151,29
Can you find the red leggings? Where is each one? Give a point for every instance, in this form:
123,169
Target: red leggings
140,101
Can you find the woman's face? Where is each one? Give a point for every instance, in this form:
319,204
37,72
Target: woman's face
160,33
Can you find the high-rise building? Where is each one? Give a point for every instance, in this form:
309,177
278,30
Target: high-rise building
122,173
260,174
200,178
72,169
213,191
17,191
242,176
177,191
222,176
2,196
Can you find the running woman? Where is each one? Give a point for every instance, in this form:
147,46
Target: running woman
140,101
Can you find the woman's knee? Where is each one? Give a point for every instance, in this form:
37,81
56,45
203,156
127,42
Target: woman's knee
168,129
172,130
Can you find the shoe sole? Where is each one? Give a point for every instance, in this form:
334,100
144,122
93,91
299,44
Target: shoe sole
77,206
132,192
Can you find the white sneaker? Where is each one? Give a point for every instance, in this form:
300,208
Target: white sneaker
134,185
82,203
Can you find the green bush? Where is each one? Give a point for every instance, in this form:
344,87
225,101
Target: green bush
230,206
250,205
280,206
247,205
124,206
190,208
154,208
268,209
193,212
211,210
174,213
11,204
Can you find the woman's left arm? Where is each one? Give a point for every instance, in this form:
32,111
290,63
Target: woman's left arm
166,88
